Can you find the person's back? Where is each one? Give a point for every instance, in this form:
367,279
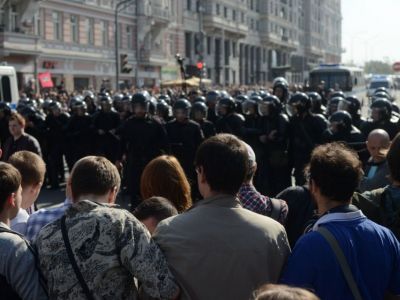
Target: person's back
218,249
110,246
371,251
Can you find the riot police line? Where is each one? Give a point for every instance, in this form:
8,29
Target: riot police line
282,127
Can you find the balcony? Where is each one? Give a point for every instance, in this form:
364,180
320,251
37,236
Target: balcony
277,41
19,43
235,28
152,57
160,15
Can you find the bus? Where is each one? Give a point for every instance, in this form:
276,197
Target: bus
8,85
337,77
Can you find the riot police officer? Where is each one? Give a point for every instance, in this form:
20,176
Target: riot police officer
163,112
5,112
251,131
341,129
354,109
55,124
199,115
316,104
229,121
274,172
280,89
185,136
79,133
306,132
381,115
105,122
142,139
90,99
212,98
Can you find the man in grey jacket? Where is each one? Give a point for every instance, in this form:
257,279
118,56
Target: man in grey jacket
19,275
218,249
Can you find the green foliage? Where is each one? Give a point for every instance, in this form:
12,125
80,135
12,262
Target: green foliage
378,67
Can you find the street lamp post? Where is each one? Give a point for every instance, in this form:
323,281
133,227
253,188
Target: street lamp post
118,8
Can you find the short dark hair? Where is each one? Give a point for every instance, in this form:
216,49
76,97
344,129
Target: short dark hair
393,158
30,165
10,181
336,170
157,207
224,160
93,175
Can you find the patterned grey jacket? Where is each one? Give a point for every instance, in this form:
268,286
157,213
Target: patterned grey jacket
111,247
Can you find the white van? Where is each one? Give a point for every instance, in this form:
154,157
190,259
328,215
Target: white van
8,85
381,81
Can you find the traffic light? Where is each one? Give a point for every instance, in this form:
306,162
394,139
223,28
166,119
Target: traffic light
125,66
200,65
198,43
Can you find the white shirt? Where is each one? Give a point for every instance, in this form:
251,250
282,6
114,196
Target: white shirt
18,224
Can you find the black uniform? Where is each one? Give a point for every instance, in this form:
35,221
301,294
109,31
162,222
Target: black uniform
274,171
390,127
80,137
185,138
207,128
142,139
107,142
232,123
55,131
305,133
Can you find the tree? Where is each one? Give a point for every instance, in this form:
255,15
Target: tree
377,67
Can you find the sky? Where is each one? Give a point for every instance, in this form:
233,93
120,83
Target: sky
370,30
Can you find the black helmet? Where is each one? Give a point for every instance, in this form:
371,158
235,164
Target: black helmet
201,108
200,99
227,103
269,106
105,99
336,104
74,99
384,109
243,98
250,105
316,102
279,81
162,108
212,97
55,105
127,98
5,108
166,98
152,105
381,95
301,102
395,108
79,105
354,105
382,89
338,94
342,121
117,97
90,95
140,99
281,85
184,105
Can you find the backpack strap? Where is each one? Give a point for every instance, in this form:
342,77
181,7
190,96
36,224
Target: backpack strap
73,262
276,209
344,265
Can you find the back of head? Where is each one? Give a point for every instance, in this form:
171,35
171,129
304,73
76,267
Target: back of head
283,292
393,159
224,160
10,180
93,175
164,176
31,167
336,170
159,208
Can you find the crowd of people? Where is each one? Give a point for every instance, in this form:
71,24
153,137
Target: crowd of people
269,194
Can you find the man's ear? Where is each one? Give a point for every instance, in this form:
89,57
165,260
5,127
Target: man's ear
202,175
1,153
11,200
112,195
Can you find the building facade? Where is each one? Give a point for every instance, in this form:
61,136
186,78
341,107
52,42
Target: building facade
242,41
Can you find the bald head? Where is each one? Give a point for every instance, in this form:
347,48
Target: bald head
378,144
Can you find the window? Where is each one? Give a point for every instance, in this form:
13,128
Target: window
225,12
38,24
189,4
234,15
90,31
104,33
188,44
217,8
57,27
14,18
208,45
234,54
74,29
242,17
129,37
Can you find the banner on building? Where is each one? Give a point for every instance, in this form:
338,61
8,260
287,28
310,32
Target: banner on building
45,80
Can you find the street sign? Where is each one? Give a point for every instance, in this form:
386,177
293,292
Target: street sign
396,66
